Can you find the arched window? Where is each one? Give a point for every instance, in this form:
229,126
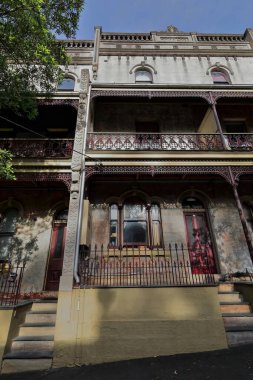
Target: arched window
67,84
198,236
135,224
220,77
7,230
143,75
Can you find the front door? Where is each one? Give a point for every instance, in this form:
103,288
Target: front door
55,263
199,242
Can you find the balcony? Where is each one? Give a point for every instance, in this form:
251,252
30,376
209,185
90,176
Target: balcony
168,142
38,148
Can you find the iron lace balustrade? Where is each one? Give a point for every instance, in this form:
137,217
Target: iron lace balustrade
37,148
10,282
132,267
239,141
154,141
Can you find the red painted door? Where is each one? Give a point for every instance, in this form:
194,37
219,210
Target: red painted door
199,243
54,270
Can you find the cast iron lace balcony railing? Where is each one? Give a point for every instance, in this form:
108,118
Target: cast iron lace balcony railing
168,141
37,148
143,267
153,141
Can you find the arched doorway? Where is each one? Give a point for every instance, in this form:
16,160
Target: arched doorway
56,253
198,235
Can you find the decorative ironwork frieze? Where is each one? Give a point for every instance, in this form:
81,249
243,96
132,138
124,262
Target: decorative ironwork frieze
59,102
45,177
223,171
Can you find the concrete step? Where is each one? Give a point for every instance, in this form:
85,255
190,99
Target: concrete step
226,287
39,329
240,307
230,297
240,320
29,355
40,316
25,365
236,338
32,345
44,305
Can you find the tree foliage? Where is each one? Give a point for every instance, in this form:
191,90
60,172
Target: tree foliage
30,54
6,170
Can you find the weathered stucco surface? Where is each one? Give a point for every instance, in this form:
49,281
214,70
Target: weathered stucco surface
101,325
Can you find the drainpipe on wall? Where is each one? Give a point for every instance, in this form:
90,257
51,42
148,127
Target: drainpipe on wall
82,184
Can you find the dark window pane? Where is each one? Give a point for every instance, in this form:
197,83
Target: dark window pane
59,242
114,233
135,232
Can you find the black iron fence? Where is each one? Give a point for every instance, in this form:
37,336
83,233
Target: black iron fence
143,267
10,282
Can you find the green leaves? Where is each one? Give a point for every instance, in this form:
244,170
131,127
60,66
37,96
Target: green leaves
29,52
6,170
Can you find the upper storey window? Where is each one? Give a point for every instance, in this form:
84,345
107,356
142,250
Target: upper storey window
143,76
220,77
67,84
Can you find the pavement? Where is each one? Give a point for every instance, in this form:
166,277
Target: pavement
231,364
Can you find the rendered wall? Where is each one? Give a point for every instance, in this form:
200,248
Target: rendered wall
103,325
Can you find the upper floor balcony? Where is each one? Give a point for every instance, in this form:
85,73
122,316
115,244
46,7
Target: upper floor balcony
39,148
99,141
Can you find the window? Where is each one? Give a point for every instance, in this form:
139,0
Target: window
7,230
220,77
67,84
143,76
135,224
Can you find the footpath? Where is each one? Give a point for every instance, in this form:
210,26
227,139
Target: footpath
232,364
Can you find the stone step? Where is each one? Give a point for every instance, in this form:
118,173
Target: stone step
49,305
32,345
34,329
40,316
226,287
230,297
240,307
236,338
240,320
25,365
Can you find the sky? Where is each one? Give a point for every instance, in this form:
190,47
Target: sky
203,16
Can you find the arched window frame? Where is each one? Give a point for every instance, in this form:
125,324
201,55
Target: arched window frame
152,220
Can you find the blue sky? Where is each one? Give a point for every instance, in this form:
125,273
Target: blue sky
206,16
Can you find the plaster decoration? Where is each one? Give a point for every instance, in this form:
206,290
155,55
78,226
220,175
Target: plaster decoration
72,226
218,65
68,262
142,65
172,29
59,102
100,206
44,177
170,206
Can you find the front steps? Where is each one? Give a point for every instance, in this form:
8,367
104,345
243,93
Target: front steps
32,349
237,316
